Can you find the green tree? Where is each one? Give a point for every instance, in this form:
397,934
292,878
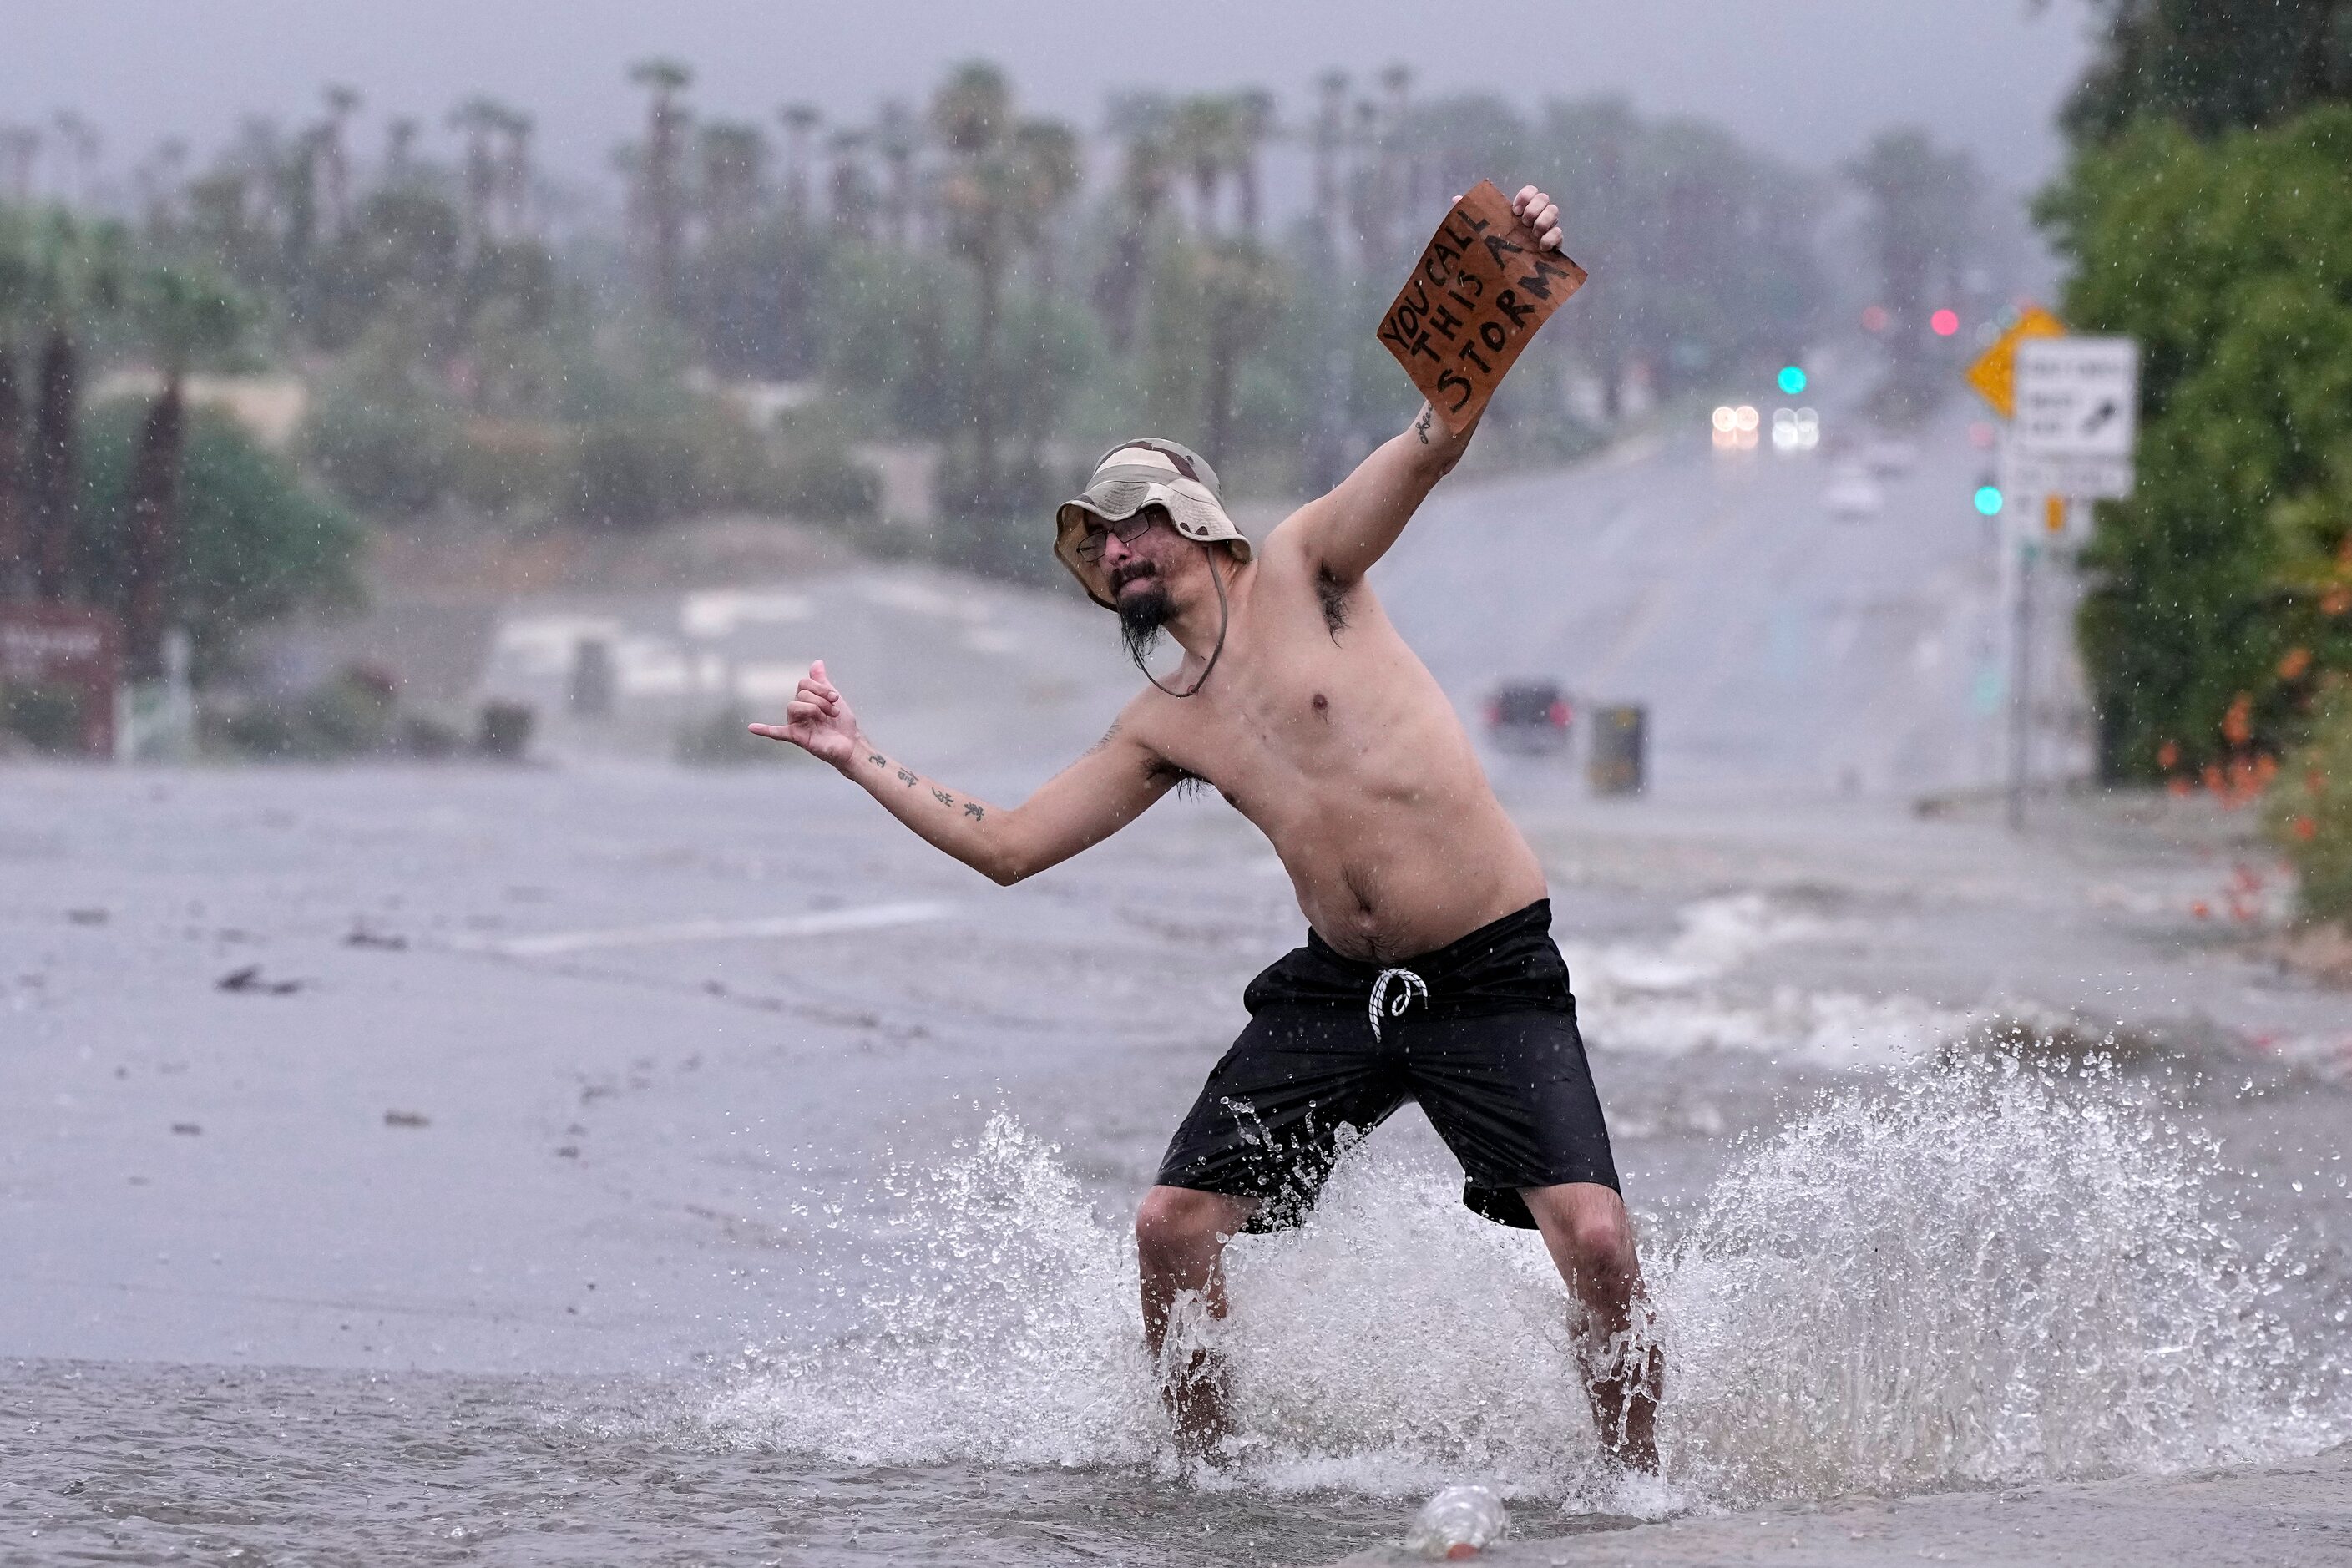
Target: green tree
2211,66
256,543
2222,589
1922,204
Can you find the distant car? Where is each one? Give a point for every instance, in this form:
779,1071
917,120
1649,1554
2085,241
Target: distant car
1528,716
1853,494
1890,458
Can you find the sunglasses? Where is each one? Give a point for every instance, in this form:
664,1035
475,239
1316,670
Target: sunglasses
1129,528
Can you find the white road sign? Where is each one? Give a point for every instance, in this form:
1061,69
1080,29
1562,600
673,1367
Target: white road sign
2024,473
2077,416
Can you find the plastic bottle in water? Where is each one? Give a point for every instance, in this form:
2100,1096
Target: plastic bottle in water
1456,1523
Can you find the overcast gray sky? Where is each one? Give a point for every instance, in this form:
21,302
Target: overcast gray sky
1808,79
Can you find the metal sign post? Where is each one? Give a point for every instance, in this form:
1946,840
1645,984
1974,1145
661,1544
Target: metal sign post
2070,437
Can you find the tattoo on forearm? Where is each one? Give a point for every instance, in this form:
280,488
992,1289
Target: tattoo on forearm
1420,426
1104,744
942,796
908,777
878,759
972,808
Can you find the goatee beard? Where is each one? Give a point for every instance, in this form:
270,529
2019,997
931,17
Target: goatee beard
1140,616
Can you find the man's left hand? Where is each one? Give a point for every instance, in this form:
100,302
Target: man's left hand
1540,213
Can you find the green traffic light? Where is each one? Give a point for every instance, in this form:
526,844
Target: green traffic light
1792,380
1988,499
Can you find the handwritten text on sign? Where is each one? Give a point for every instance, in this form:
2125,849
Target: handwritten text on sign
1482,288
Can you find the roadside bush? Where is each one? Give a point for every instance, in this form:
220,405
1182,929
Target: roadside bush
632,473
384,445
826,484
2230,261
2309,812
45,719
254,542
353,715
505,464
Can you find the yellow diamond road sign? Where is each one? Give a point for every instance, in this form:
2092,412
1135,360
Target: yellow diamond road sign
1994,374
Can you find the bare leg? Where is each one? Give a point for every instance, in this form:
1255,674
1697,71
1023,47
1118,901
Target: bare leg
1591,1238
1179,1245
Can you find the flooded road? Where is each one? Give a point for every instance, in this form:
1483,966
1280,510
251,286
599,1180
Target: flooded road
644,1164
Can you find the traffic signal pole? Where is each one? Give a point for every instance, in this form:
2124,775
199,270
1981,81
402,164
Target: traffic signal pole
2020,676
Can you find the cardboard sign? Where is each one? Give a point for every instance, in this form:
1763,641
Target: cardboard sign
1481,288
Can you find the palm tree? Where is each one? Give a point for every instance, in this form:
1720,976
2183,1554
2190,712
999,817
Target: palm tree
734,158
480,120
1202,137
1331,130
20,150
801,120
849,198
186,314
1047,169
897,137
1140,121
335,163
77,272
18,283
1241,288
78,144
514,173
1921,199
971,114
1253,125
661,194
400,149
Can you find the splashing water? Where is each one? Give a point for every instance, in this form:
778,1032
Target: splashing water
1973,1274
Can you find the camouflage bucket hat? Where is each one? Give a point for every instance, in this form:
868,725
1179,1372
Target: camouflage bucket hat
1131,476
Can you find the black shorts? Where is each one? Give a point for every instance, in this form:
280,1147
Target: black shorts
1482,1033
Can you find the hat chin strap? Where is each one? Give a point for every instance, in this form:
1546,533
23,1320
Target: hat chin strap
1224,619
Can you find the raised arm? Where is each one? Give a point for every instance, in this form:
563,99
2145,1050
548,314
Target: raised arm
1342,534
1086,803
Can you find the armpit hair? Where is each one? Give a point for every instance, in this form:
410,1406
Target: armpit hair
1183,781
1333,595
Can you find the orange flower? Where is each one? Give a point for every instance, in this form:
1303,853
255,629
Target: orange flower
2238,723
2213,777
2201,909
2336,601
2168,756
2266,770
2306,828
2297,661
2179,786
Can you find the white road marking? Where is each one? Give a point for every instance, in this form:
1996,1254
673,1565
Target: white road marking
825,922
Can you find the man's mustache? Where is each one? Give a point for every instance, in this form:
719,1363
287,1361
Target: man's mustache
1129,574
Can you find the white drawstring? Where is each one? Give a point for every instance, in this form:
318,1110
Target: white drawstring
1414,986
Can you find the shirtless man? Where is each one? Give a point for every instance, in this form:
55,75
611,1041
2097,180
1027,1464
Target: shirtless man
1429,970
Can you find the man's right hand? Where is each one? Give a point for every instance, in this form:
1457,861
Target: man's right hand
818,720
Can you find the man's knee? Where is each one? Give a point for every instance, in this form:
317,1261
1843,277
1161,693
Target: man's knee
1589,1232
1173,1224
1602,1237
